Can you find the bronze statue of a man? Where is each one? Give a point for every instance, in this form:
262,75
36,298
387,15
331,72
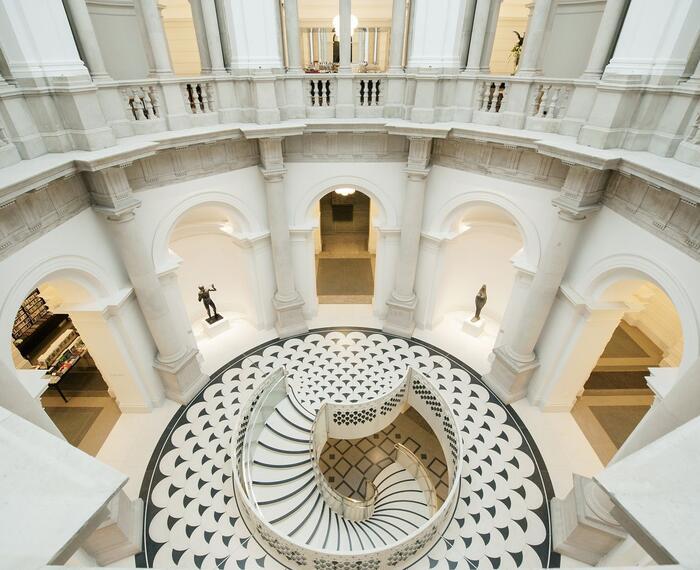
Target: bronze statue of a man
205,297
479,301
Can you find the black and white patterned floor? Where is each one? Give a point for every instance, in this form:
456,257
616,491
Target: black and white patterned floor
191,519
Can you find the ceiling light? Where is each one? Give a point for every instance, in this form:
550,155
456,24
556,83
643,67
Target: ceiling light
353,23
345,191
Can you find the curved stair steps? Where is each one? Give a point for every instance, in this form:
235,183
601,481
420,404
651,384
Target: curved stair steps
286,493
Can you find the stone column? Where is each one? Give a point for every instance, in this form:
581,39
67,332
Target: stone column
201,35
287,301
398,25
211,27
583,526
120,535
605,38
478,36
345,36
176,362
226,31
291,20
82,24
161,65
515,362
400,318
531,58
490,37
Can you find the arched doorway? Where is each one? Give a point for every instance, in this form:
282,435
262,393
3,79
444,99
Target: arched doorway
210,251
54,363
345,247
483,245
635,351
84,354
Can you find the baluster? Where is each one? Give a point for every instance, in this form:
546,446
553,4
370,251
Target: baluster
370,91
535,102
202,97
493,98
554,103
362,92
501,95
312,86
544,102
481,96
140,100
130,105
153,99
211,101
319,92
376,91
328,92
563,101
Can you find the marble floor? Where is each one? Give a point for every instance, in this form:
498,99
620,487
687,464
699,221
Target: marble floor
347,462
131,442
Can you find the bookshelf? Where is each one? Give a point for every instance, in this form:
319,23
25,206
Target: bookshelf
31,314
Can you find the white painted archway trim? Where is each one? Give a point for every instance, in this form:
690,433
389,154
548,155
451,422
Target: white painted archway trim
615,268
246,221
303,214
81,270
448,215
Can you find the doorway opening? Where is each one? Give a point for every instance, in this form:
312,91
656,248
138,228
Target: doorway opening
54,364
345,248
211,255
645,347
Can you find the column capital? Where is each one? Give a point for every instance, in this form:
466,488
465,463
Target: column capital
419,152
110,190
582,190
417,173
274,174
271,153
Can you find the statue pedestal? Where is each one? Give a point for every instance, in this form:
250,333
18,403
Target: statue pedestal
217,327
474,329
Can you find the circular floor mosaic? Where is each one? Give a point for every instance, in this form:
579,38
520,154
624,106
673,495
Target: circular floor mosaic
502,519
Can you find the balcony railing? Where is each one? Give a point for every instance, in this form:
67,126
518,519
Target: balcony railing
142,102
543,104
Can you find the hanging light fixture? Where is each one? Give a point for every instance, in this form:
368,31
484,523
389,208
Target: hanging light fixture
345,191
353,23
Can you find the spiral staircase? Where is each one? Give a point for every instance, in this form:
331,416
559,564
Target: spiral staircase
290,506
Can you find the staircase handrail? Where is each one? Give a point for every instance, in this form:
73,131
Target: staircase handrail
410,462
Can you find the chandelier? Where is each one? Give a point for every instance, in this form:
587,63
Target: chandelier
345,191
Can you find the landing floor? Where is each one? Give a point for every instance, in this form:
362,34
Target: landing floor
135,436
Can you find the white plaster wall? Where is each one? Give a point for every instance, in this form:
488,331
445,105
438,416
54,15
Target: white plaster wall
213,258
244,272
612,251
36,39
242,190
479,256
119,38
435,33
660,322
450,191
570,38
612,248
256,38
78,259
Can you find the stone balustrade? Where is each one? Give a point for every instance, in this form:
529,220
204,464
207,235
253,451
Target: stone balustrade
142,102
199,97
533,103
